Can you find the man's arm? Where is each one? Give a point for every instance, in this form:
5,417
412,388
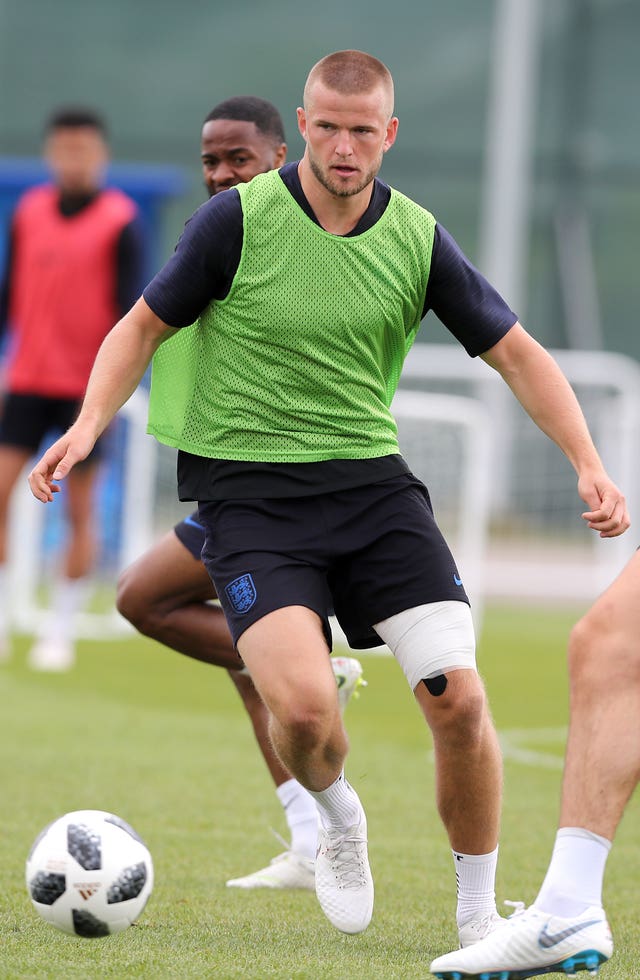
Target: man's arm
118,368
548,398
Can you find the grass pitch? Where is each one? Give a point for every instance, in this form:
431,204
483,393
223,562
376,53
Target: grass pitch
163,742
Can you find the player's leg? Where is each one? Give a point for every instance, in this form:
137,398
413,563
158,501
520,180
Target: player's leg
287,654
566,926
286,651
82,543
404,580
268,563
603,747
166,594
13,459
435,646
294,867
23,422
468,766
54,646
467,760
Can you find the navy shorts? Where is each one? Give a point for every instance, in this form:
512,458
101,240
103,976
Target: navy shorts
377,549
190,533
26,419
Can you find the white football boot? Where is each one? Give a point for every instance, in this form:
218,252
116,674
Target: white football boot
344,885
530,944
287,870
348,674
479,928
52,654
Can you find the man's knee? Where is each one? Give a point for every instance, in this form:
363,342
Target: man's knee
307,724
310,719
460,713
584,641
133,604
603,651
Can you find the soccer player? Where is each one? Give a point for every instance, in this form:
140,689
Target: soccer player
566,929
310,284
166,593
74,267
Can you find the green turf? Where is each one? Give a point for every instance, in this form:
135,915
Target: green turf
163,742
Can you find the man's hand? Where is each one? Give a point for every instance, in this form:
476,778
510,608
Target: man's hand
58,460
608,514
118,368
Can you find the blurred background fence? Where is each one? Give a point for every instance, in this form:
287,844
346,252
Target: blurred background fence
518,129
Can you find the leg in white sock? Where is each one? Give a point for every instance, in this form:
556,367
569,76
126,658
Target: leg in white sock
573,881
54,646
301,815
338,805
475,877
68,598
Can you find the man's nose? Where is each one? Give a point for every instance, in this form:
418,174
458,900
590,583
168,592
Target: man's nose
344,146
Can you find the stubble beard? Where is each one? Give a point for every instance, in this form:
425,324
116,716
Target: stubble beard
335,187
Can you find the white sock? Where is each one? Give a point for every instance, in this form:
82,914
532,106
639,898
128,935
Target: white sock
338,805
476,879
574,878
68,597
302,817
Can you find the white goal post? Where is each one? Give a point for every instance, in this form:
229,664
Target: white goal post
539,548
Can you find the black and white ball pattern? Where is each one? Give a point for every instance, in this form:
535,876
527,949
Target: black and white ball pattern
89,874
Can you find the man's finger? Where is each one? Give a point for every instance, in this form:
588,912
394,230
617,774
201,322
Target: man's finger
609,522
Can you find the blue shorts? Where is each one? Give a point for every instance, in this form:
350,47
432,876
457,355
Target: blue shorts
376,548
190,533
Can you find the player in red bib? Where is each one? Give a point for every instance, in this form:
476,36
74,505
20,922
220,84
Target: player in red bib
74,268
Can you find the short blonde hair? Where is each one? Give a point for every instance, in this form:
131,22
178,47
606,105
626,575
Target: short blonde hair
351,73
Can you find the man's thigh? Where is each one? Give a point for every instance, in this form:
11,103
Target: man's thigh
395,558
286,650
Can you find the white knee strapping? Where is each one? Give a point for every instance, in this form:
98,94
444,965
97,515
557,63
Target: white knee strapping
431,639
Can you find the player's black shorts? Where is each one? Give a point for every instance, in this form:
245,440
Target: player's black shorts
26,419
190,533
377,547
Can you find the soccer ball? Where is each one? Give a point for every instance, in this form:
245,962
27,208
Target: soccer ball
89,874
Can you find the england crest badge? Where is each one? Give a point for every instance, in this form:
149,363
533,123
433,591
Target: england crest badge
241,593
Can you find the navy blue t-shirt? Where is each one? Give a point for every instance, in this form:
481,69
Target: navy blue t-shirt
202,269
